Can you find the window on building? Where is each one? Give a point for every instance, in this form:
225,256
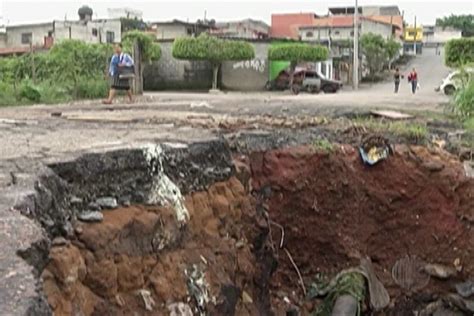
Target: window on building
189,31
26,38
110,37
94,32
412,34
309,34
352,33
337,32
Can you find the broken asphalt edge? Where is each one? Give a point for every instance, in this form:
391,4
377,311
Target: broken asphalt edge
36,206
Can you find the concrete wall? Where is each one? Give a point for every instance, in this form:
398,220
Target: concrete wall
247,75
172,31
377,28
38,31
344,33
84,31
60,31
170,73
441,36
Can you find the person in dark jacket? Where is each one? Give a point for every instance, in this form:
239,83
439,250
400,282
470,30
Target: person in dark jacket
413,79
396,79
119,61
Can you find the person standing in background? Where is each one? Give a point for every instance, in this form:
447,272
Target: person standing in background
396,78
413,79
119,62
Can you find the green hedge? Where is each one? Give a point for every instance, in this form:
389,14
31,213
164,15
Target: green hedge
459,52
212,49
298,53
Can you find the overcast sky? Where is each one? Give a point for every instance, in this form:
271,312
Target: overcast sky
22,11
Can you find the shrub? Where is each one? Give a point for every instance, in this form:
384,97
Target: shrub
7,94
29,92
464,101
459,52
53,93
212,49
297,52
91,88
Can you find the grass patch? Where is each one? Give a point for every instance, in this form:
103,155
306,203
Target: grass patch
322,144
412,131
468,138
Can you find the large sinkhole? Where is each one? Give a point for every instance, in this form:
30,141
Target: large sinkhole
197,229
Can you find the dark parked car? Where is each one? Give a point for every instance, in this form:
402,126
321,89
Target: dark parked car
306,80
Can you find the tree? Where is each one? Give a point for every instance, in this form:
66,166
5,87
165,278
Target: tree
212,49
373,47
465,23
148,51
392,48
129,24
459,52
296,53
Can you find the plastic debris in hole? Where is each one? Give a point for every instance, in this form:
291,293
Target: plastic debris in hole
409,274
374,149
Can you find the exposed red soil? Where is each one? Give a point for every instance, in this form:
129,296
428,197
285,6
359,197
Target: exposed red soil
137,248
335,210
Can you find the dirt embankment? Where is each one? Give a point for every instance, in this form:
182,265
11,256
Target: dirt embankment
111,267
335,210
332,209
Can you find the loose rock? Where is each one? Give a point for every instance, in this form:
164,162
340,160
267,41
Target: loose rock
147,299
90,216
246,298
180,309
433,166
439,271
75,200
59,241
107,202
465,289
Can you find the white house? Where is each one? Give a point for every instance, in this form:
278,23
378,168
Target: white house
18,38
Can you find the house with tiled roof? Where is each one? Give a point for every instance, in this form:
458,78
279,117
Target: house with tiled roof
341,27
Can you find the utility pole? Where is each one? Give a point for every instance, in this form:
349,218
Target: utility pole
414,38
355,66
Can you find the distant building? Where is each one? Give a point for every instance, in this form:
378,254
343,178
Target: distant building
413,39
287,25
337,33
118,13
366,10
248,29
176,28
19,38
437,35
385,14
336,28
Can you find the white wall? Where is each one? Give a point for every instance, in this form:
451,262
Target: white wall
170,31
60,31
377,28
442,36
39,32
323,33
84,31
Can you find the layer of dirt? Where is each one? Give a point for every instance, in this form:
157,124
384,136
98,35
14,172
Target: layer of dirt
139,248
332,208
335,210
